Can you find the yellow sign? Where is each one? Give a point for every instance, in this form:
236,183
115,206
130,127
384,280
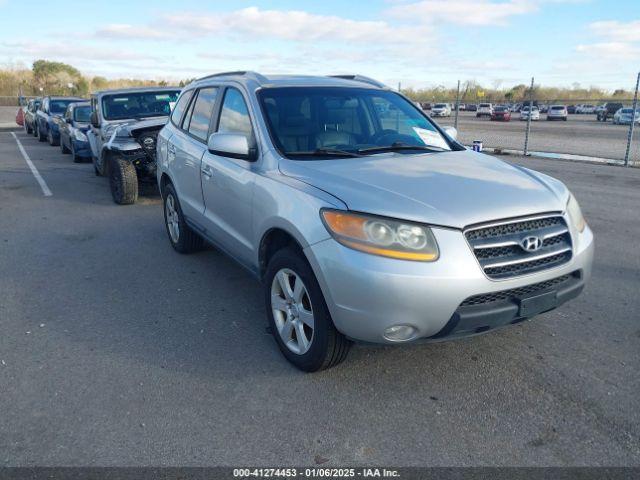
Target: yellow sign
480,93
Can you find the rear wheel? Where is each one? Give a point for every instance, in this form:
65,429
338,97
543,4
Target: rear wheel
298,314
123,181
183,239
27,128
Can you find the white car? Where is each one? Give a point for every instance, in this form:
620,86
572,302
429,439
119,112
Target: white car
557,112
535,113
624,115
484,110
441,110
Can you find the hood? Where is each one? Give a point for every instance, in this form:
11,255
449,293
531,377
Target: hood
134,125
453,189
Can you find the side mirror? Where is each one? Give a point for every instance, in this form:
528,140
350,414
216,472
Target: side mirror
68,120
234,145
94,120
452,132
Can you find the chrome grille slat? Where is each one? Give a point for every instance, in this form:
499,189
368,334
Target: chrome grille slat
497,246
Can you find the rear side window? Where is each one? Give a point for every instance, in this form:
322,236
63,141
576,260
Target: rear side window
180,107
234,116
202,110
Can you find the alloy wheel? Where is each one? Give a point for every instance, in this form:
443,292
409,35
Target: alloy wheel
173,220
292,311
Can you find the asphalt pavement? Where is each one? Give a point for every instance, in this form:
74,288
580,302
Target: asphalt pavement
116,350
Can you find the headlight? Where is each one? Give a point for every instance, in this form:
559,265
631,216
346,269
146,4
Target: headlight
80,136
575,214
381,236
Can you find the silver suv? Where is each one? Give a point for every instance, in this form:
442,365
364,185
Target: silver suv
363,219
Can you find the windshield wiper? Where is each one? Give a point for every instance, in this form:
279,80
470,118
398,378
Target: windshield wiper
399,146
323,152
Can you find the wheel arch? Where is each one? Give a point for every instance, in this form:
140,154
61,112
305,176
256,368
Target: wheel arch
273,240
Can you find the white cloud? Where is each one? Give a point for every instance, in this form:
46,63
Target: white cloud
611,50
617,31
127,31
463,12
292,25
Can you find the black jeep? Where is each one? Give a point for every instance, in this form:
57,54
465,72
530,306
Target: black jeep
608,111
124,127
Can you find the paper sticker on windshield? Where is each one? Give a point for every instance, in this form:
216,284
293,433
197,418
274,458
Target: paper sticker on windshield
431,138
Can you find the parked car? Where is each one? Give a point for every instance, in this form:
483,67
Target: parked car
122,137
484,110
73,127
543,108
571,109
441,110
426,105
30,115
472,107
20,116
516,108
359,227
501,113
624,116
588,109
608,111
534,112
462,107
51,107
557,112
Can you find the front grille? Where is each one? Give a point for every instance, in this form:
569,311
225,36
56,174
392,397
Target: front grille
500,251
515,293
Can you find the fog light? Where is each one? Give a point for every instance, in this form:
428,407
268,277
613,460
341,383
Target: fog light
400,333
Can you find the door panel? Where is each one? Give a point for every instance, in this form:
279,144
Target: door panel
227,184
184,157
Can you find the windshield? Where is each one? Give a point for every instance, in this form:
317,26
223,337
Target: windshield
440,105
59,106
138,104
628,111
326,121
557,107
500,109
82,114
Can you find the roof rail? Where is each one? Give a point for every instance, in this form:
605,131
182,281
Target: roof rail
361,78
243,73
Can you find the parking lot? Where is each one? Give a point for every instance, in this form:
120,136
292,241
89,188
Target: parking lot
580,135
115,350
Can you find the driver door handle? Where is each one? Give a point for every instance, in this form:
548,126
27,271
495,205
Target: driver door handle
206,171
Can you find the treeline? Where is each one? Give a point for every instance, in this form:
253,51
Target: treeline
57,78
472,92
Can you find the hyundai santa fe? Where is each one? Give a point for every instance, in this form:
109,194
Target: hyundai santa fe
363,219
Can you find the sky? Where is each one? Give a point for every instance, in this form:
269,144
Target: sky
421,43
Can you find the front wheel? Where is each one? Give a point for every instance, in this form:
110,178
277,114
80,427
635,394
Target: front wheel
51,139
63,147
183,239
42,137
123,181
27,128
298,314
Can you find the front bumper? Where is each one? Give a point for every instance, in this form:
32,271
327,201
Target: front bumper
366,294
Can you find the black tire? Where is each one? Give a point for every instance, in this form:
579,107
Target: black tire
27,128
74,156
188,241
63,147
328,346
35,129
123,181
95,169
41,136
52,141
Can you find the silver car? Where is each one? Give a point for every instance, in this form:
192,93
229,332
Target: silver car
362,218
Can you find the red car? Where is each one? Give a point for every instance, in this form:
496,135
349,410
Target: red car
20,117
501,114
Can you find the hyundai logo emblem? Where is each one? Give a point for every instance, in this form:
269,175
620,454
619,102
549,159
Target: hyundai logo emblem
531,244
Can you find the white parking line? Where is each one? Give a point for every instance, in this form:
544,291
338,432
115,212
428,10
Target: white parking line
34,170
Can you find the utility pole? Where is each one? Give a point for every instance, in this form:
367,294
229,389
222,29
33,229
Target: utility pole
455,122
633,121
526,136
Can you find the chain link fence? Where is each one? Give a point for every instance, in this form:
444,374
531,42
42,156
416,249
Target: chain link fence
599,130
